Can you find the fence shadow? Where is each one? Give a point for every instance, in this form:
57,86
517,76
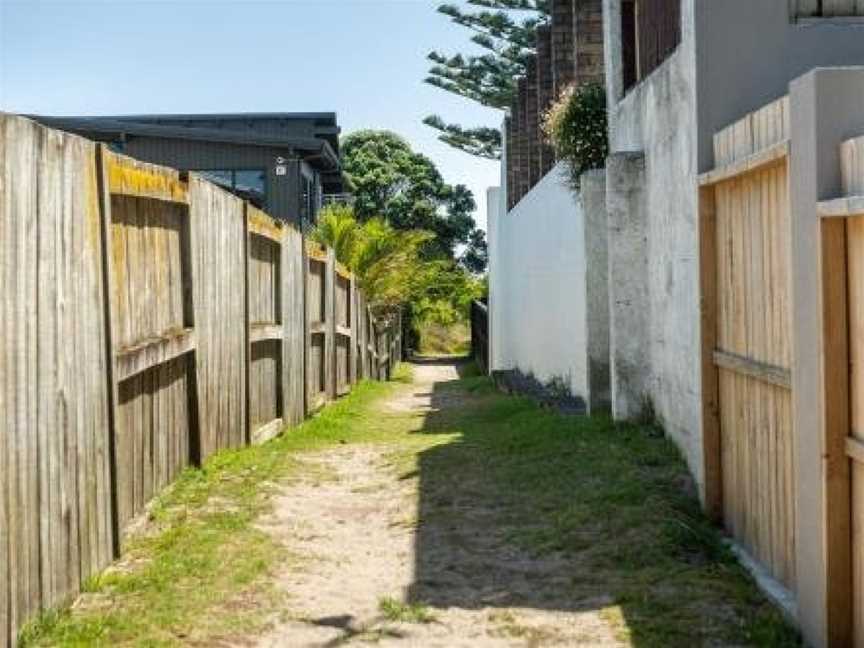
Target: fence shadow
502,527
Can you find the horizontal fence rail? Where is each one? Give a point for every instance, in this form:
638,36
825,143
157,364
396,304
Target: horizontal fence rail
149,320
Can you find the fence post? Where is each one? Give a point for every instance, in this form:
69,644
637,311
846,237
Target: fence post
825,109
330,325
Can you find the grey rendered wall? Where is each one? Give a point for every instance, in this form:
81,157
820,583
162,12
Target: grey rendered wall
283,192
548,297
748,52
735,56
659,359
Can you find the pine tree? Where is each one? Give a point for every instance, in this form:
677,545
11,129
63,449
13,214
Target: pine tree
507,29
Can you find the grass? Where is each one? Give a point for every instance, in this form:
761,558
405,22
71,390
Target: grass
398,612
614,502
200,569
438,340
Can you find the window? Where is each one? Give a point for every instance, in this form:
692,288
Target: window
250,184
650,33
309,201
827,8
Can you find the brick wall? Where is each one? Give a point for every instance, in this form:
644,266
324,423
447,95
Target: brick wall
545,94
589,41
569,50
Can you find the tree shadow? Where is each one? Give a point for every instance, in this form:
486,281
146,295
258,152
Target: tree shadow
526,514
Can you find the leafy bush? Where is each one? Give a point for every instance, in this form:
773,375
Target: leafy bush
576,127
392,270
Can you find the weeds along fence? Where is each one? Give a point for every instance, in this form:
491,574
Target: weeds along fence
148,321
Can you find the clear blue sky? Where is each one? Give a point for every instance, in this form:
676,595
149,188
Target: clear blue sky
365,59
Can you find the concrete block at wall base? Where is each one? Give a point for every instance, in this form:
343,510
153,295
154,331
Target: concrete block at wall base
593,198
629,305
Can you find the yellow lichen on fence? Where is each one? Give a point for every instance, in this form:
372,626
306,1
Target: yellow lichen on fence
132,178
316,251
263,225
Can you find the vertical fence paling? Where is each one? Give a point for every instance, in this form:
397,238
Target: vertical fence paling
747,355
137,305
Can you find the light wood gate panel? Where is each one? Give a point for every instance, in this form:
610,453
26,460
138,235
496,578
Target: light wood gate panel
745,212
843,284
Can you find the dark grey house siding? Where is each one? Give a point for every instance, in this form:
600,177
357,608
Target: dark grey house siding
307,144
283,192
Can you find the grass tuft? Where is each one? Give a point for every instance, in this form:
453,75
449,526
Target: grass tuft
399,612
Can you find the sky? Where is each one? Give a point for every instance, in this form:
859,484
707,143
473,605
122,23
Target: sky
363,59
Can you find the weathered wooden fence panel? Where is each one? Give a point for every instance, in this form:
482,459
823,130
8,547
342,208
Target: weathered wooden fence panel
151,328
746,199
219,268
343,330
55,495
148,321
316,326
266,331
294,326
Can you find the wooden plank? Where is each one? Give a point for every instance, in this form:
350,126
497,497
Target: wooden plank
155,351
771,374
852,166
849,207
330,321
262,332
756,162
130,177
293,280
264,225
218,229
712,460
265,433
836,425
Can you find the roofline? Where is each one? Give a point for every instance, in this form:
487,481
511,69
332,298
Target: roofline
206,116
315,145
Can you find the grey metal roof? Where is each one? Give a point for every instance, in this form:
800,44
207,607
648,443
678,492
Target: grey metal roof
316,147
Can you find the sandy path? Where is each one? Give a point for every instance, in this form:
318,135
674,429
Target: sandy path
358,535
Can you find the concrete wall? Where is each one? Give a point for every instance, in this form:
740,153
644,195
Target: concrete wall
548,300
734,57
654,291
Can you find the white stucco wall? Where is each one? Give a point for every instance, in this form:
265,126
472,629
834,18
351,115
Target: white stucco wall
724,67
538,286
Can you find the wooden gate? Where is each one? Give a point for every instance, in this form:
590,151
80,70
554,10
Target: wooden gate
843,307
745,251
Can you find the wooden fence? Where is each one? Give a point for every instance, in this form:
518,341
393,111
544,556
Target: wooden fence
148,321
782,288
747,376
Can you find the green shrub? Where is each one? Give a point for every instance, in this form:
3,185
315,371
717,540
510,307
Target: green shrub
576,127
